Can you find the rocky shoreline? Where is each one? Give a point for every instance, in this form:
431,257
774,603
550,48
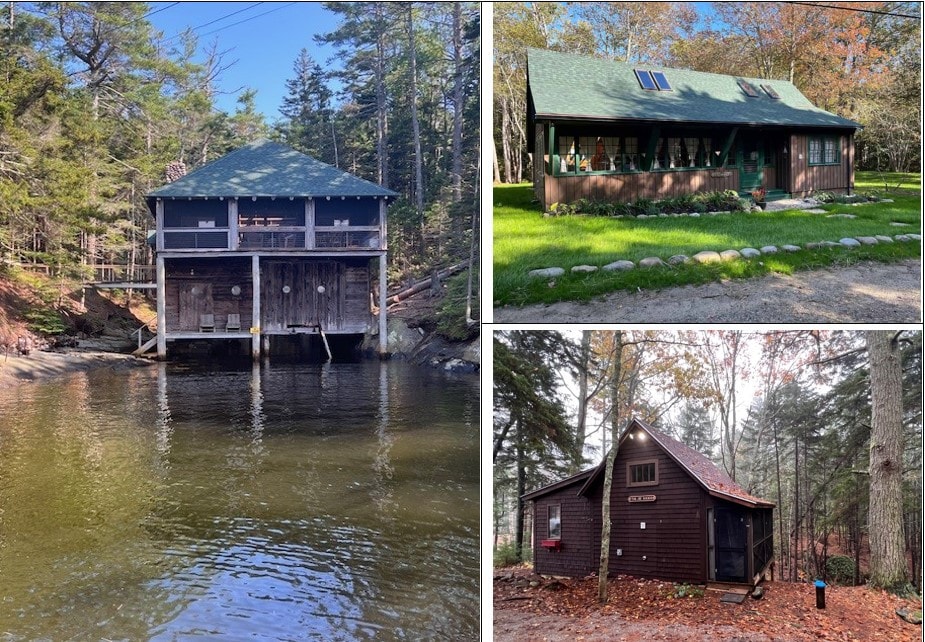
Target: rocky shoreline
406,343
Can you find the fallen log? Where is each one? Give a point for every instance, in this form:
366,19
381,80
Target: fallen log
426,283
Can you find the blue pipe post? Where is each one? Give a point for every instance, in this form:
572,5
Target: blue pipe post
820,594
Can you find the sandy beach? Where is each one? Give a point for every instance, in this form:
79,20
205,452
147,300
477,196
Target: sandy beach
42,365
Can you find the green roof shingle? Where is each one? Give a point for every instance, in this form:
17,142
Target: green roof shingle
584,87
265,168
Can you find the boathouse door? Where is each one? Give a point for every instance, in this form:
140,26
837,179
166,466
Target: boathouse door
298,295
728,540
195,301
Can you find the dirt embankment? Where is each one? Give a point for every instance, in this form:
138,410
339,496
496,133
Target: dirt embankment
864,293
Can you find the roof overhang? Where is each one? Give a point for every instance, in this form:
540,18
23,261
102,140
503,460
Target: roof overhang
591,119
568,481
627,433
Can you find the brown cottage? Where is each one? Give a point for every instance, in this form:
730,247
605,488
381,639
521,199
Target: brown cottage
675,516
610,131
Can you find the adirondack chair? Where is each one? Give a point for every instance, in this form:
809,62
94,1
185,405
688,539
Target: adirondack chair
207,323
234,322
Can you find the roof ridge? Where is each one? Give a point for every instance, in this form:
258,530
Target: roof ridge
651,66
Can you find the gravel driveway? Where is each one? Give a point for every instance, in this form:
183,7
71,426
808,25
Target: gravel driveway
867,292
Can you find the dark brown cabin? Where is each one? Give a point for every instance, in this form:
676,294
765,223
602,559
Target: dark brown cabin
675,516
267,242
617,132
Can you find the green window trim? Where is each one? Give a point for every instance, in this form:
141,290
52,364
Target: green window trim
823,150
570,154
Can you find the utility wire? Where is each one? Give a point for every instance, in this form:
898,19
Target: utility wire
151,13
882,13
219,19
248,19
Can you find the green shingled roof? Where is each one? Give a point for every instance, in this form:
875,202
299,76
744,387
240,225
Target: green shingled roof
265,168
583,87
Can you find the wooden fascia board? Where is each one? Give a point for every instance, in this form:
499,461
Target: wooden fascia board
574,479
708,123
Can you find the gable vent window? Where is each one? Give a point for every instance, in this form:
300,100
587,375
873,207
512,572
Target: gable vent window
645,79
748,89
769,90
642,473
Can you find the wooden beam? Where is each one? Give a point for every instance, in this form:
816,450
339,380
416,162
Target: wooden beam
159,225
309,224
161,309
728,146
232,224
551,144
255,323
651,145
383,301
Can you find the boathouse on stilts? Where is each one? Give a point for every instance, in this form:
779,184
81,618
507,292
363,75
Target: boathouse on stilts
268,242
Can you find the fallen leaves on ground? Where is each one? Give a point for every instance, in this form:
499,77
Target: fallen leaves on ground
786,612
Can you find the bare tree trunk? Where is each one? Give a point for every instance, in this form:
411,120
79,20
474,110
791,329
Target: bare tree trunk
506,140
580,430
521,489
382,146
415,123
608,467
887,550
458,103
496,170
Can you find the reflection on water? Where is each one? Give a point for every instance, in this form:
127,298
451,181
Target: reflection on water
332,502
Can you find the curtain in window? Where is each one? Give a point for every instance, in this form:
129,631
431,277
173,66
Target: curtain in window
831,151
612,150
691,145
815,150
566,153
658,154
630,153
674,152
707,148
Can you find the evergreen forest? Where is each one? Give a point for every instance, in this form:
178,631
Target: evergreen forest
96,104
827,425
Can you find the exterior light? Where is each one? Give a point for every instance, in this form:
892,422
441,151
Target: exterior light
236,290
320,289
286,289
642,435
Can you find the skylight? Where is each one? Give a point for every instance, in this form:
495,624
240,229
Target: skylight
661,81
645,79
769,90
748,89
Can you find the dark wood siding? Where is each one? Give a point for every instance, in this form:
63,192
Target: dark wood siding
674,540
629,187
199,286
576,557
806,179
341,307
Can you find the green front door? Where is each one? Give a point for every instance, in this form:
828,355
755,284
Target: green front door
751,164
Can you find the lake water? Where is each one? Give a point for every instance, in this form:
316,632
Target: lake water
289,502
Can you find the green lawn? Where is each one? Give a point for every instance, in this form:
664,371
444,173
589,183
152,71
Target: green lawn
525,240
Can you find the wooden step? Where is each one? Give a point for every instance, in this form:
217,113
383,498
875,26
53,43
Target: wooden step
146,346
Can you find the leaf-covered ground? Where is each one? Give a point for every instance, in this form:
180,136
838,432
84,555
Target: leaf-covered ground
529,607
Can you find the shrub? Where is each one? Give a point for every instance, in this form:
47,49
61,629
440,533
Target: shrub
44,321
506,555
686,590
840,569
451,314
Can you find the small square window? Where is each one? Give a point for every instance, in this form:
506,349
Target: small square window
555,522
642,473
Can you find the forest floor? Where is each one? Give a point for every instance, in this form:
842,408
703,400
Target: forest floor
866,292
530,607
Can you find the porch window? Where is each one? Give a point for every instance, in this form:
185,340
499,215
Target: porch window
824,150
642,473
554,514
595,154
